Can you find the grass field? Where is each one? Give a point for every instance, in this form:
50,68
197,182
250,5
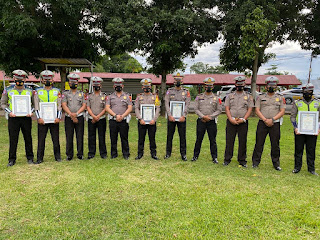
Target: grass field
166,199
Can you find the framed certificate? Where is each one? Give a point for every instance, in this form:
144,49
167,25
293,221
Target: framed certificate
48,111
147,112
21,105
308,122
177,109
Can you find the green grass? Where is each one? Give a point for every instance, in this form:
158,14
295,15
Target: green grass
167,199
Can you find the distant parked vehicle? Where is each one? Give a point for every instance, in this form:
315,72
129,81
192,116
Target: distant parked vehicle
295,94
225,90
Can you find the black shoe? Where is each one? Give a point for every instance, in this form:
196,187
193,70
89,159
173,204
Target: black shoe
126,157
80,157
115,156
278,168
314,173
30,161
138,157
167,156
104,157
69,158
254,166
89,157
11,163
155,157
243,165
39,162
215,161
194,159
226,163
295,170
184,158
58,160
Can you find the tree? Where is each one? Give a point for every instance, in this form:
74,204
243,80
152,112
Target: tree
200,67
173,30
122,63
49,28
273,70
249,27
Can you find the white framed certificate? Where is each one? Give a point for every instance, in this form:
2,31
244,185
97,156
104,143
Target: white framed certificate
308,122
147,112
21,105
48,111
177,109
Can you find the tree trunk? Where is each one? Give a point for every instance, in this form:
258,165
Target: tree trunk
63,76
254,76
163,90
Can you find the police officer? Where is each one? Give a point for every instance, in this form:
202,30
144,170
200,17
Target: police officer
301,140
16,123
177,93
147,98
270,107
207,107
74,104
48,93
238,106
96,106
119,107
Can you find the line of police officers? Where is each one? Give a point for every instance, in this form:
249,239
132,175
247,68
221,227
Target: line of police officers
270,107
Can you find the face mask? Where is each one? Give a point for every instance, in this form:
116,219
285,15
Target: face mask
208,89
239,88
19,82
47,83
178,84
73,86
118,88
96,88
307,96
147,90
271,89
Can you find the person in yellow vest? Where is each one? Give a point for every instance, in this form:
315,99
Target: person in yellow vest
48,93
301,140
16,123
74,104
147,97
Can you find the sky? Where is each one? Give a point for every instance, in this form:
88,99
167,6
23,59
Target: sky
289,57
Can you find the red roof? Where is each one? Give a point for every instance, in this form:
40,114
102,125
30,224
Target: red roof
189,79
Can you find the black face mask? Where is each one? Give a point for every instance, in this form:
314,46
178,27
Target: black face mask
47,83
73,85
208,89
147,89
271,89
239,88
19,82
118,88
307,96
96,88
178,84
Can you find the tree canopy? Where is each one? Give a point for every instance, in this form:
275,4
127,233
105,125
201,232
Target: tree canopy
200,67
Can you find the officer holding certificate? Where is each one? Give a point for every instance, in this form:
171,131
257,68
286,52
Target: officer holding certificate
239,106
177,93
208,108
46,94
96,106
119,107
301,140
270,108
147,97
15,123
74,104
